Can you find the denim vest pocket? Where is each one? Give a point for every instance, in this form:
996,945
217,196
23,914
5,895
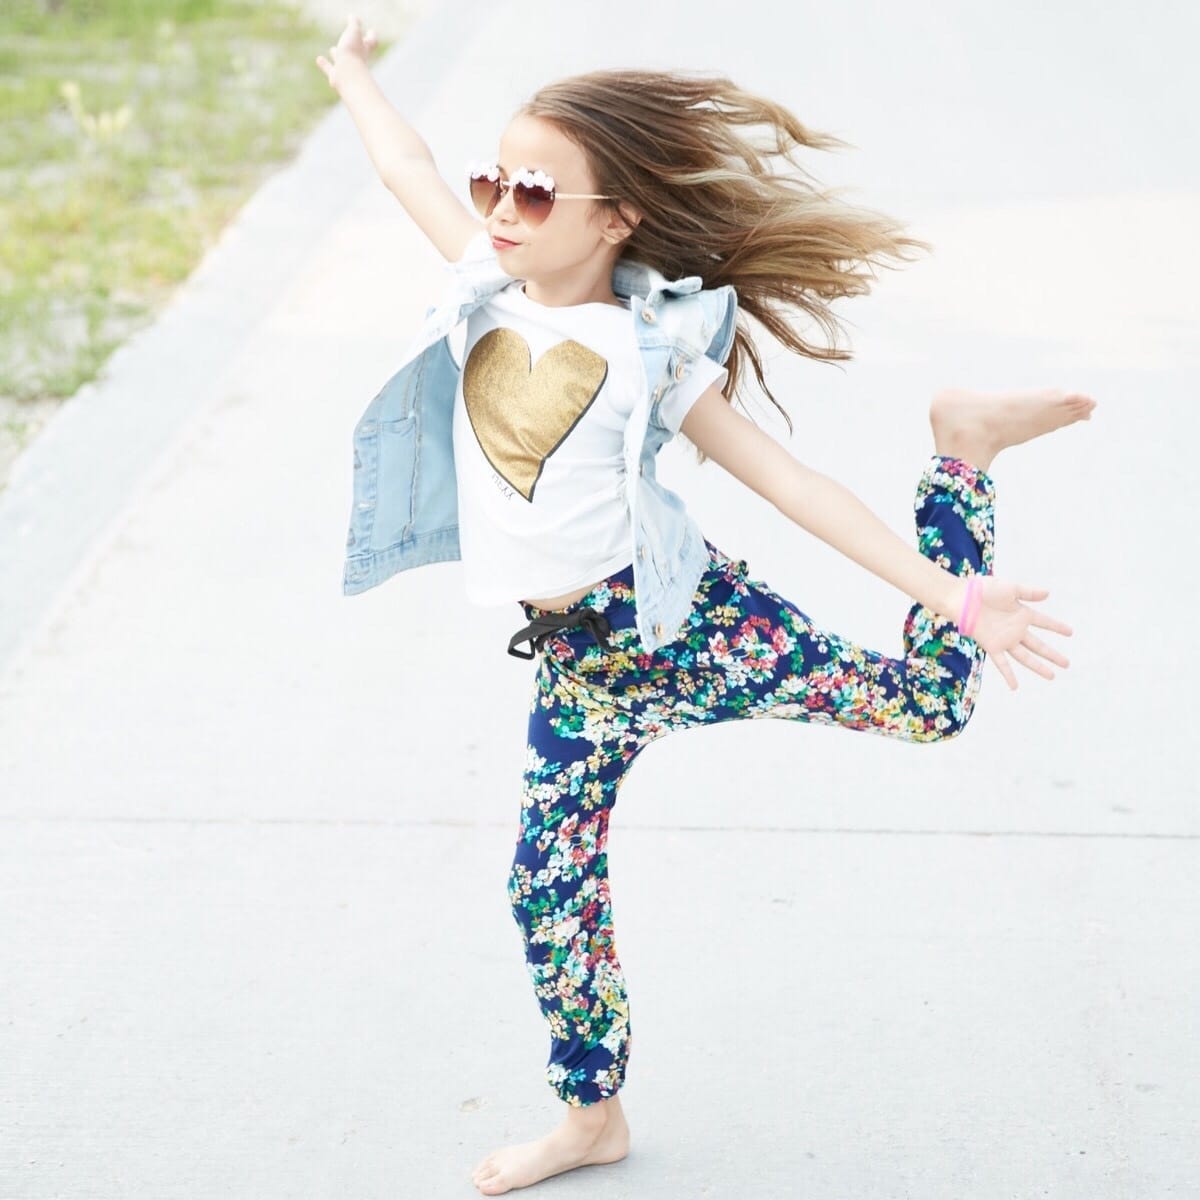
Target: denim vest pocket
397,478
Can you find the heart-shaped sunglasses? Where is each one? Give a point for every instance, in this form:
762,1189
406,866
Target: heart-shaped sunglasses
533,192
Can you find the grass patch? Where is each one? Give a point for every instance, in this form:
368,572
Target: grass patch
131,131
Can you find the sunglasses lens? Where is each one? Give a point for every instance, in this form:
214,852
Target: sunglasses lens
533,203
484,194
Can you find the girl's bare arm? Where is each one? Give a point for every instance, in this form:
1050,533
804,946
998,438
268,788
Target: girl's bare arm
838,517
400,155
817,503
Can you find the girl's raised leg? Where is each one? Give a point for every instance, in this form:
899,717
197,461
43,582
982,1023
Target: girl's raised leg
976,426
746,652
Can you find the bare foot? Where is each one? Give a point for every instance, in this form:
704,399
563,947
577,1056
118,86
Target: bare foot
584,1138
976,426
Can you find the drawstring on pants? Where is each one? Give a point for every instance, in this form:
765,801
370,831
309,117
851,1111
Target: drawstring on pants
538,631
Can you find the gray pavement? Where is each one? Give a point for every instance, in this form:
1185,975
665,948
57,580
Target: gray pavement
255,937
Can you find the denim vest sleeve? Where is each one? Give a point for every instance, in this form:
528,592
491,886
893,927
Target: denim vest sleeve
721,306
707,327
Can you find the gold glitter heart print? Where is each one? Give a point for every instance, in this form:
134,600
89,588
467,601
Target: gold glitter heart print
521,414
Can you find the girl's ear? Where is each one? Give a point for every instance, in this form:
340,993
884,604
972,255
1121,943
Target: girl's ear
621,223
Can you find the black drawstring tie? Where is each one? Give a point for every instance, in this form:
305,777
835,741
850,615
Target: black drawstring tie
539,629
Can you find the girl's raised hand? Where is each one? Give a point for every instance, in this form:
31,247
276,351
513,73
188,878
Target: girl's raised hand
1002,628
353,48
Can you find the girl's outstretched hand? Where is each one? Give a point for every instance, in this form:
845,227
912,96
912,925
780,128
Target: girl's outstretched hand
353,47
1003,628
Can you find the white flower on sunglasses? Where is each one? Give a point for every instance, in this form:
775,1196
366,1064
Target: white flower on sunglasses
534,178
483,170
490,171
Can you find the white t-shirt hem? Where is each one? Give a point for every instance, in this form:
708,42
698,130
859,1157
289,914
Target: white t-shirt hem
603,571
599,573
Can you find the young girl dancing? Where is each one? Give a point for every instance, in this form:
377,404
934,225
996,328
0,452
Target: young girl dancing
622,223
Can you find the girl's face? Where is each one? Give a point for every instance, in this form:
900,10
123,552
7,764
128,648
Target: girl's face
576,231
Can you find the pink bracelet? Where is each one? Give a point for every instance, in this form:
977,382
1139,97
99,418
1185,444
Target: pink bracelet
973,616
971,605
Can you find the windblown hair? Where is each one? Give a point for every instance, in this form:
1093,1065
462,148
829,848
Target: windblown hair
671,143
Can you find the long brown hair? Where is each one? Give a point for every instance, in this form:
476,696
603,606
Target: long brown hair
669,142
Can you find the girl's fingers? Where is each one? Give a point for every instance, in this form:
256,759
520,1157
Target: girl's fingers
1042,621
1003,667
1026,592
1040,647
1026,659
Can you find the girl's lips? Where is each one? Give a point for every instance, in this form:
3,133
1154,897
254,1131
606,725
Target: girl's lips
500,243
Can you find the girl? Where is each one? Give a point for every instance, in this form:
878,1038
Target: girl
622,222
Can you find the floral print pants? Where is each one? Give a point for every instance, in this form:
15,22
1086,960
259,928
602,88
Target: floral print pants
744,652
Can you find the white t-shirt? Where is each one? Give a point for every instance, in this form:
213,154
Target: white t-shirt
539,418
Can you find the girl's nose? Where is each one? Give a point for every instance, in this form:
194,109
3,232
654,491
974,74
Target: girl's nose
506,199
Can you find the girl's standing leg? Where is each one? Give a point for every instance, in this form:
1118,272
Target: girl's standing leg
583,735
581,742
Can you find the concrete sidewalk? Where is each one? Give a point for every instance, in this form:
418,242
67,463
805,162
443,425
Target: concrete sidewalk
256,940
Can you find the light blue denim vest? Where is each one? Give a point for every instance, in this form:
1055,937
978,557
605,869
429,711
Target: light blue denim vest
405,510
